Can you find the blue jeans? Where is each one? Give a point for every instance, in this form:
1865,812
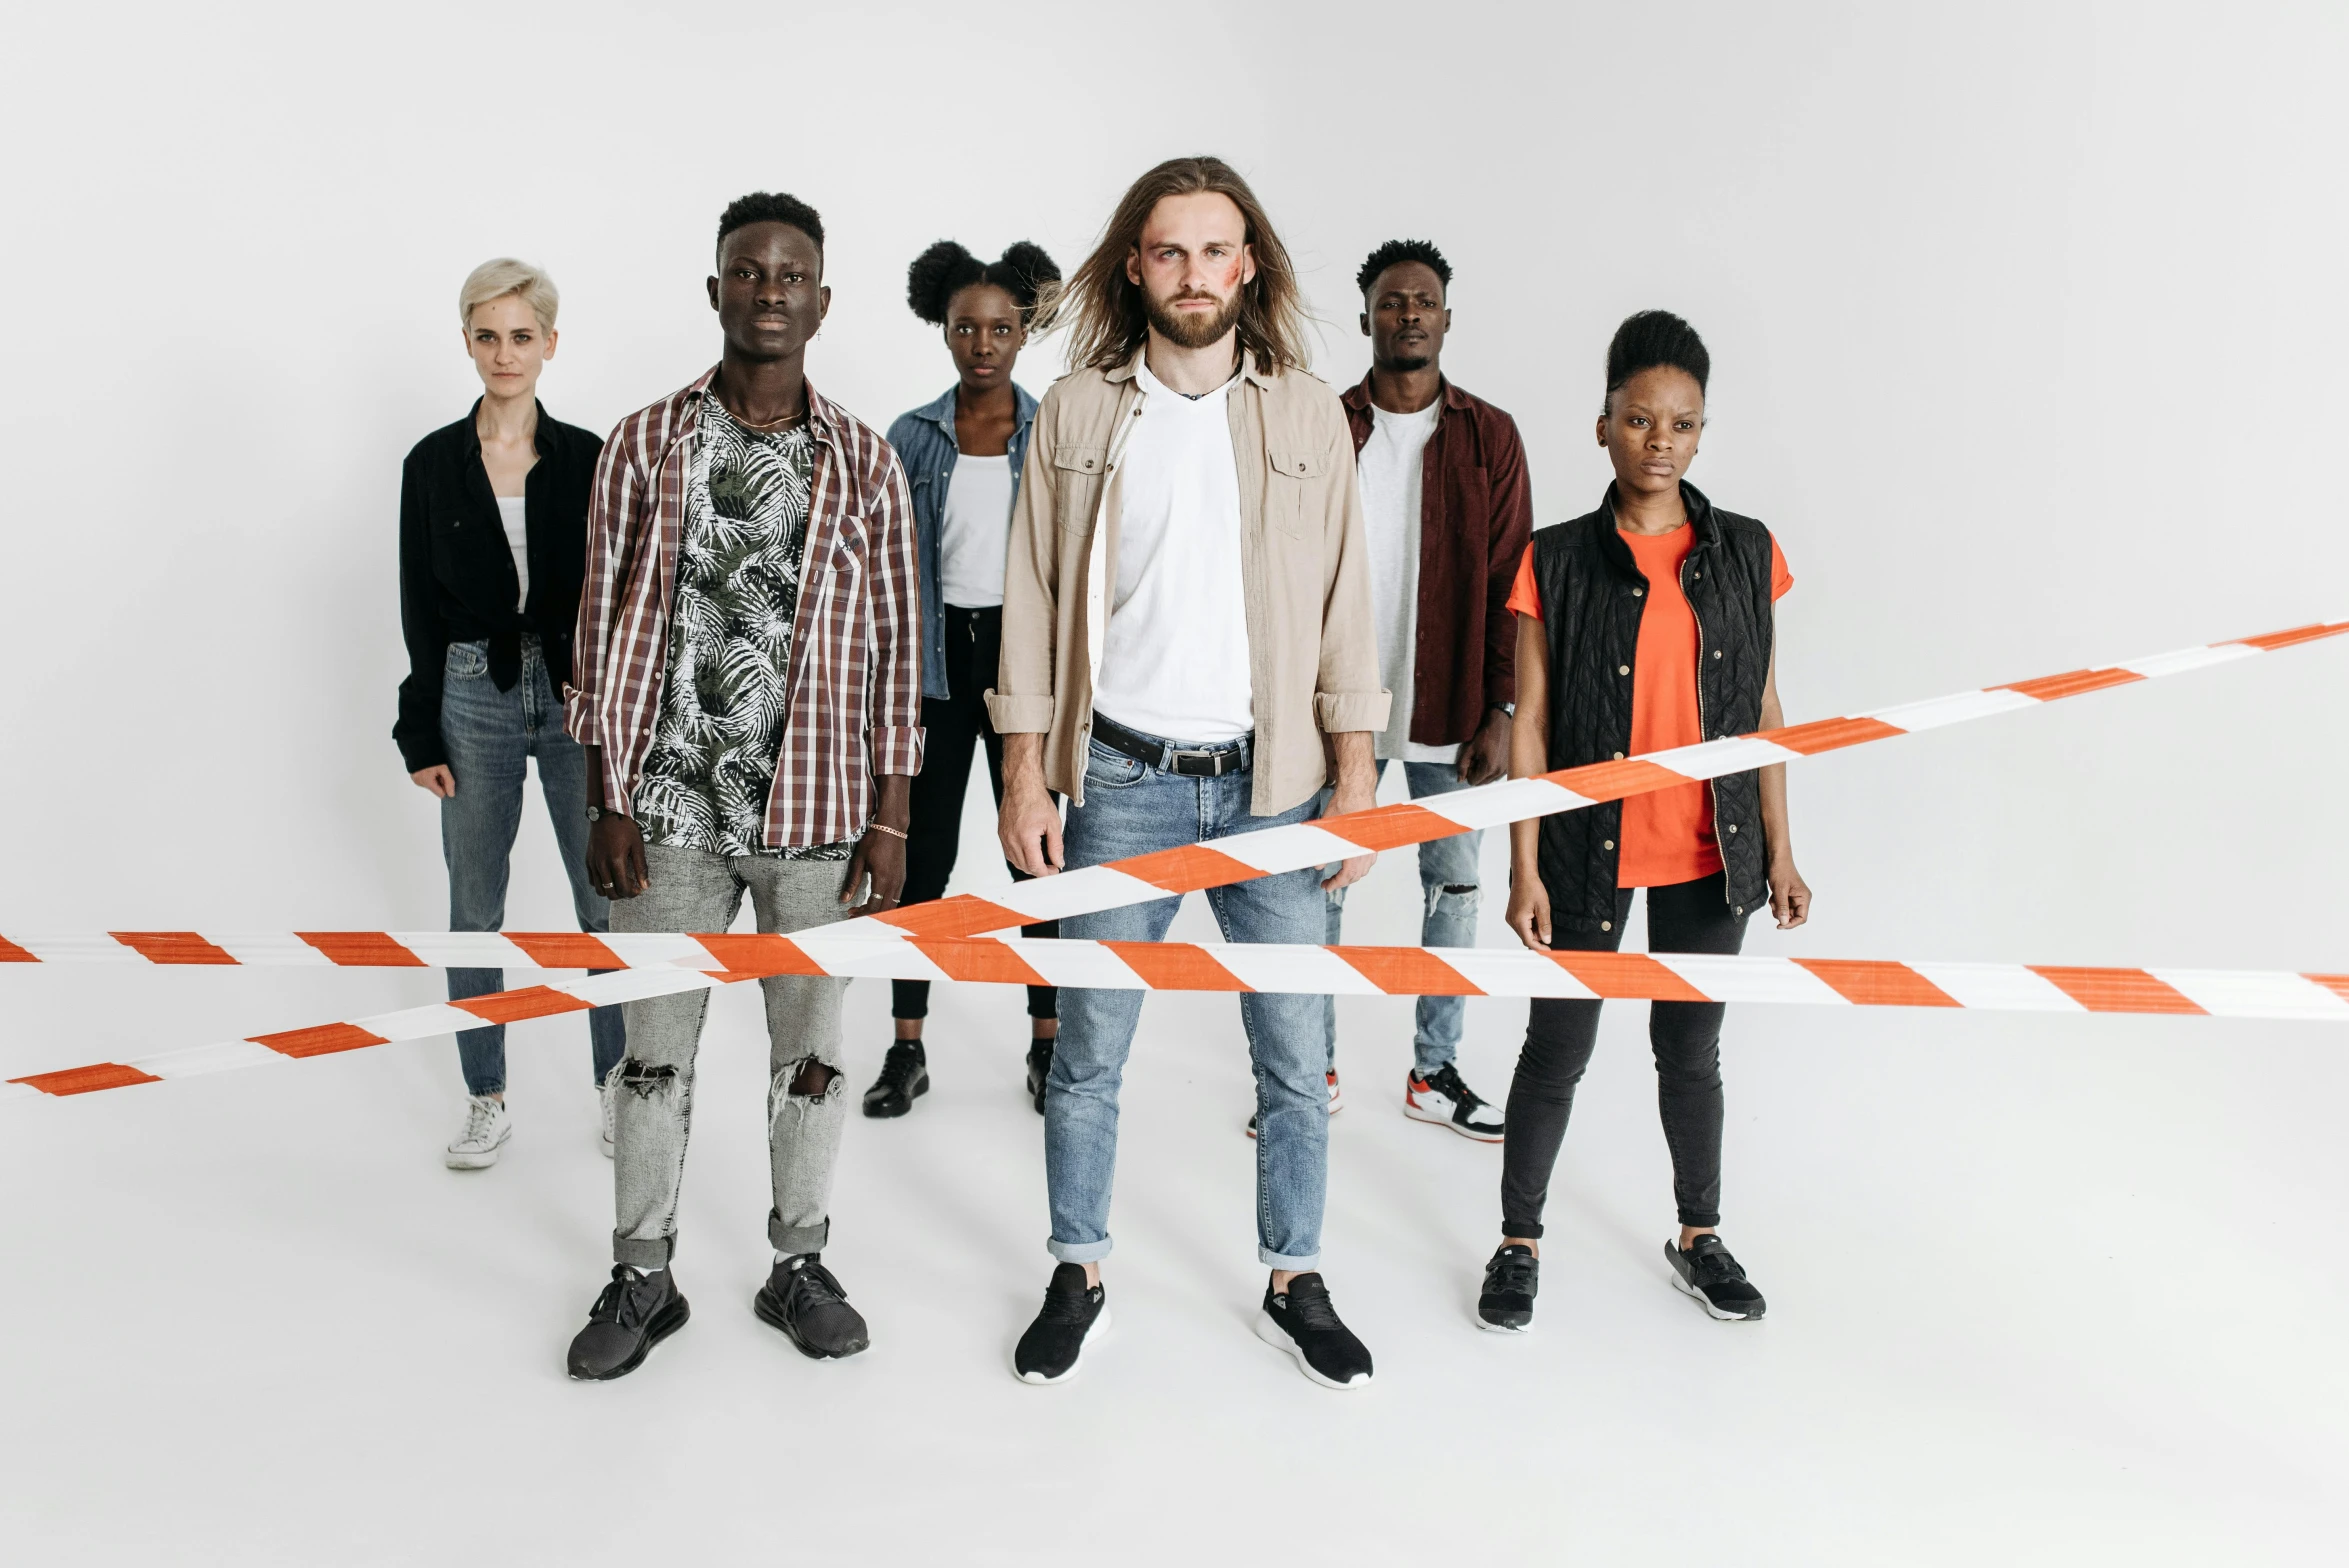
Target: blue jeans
1447,919
1132,809
490,735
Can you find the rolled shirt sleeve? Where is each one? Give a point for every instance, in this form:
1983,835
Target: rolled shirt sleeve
1346,693
1022,701
895,734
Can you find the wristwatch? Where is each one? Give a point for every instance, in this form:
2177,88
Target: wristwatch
598,813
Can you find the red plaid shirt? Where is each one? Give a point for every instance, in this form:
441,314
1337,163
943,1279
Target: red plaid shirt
856,648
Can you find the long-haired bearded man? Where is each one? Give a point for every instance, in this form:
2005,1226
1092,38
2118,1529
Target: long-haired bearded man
1188,651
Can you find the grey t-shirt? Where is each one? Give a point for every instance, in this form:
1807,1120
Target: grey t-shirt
727,693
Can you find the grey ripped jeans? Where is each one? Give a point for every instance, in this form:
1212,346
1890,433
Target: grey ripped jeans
697,890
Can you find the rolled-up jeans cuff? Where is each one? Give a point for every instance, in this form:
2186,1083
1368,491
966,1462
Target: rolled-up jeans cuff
1078,1251
1531,1230
646,1256
791,1240
1297,1265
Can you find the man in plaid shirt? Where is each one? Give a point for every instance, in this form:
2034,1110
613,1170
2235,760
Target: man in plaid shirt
747,684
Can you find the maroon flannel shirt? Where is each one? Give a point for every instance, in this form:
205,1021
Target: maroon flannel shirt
1475,520
856,648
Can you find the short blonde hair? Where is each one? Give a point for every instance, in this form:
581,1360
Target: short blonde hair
496,279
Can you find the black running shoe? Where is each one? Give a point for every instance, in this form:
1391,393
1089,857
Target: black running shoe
634,1313
1511,1280
1054,1346
905,1077
1039,1069
1707,1272
1302,1322
802,1298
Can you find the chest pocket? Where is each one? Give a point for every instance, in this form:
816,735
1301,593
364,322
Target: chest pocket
1079,479
1292,495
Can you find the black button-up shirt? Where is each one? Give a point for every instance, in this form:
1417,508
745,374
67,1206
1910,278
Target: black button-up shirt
457,578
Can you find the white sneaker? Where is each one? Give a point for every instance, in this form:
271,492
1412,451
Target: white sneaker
1443,1099
609,1095
487,1127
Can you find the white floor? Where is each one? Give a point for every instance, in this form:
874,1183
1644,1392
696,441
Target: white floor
2041,1292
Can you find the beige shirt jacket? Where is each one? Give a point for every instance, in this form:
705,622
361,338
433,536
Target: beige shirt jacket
1312,646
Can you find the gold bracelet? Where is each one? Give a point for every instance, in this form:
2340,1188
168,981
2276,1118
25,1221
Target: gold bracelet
883,827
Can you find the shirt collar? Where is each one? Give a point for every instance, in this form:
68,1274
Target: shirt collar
823,419
1357,396
1250,370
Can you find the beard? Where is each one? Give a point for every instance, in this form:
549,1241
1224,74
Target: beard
1188,329
1408,365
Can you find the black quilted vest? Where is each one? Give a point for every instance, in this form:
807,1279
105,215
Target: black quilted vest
1592,598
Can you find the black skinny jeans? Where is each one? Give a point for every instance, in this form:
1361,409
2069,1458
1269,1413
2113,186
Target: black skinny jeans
954,726
1688,917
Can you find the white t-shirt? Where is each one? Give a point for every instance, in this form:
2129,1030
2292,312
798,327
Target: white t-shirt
511,513
1174,661
1390,464
977,532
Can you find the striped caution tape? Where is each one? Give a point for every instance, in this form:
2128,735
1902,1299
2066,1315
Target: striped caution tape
1278,967
1237,857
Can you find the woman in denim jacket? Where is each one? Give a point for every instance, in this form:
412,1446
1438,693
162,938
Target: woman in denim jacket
493,543
962,457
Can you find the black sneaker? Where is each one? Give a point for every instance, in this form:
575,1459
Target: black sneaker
1302,1322
1443,1099
803,1300
1511,1280
635,1312
1054,1346
905,1077
1707,1272
1039,1069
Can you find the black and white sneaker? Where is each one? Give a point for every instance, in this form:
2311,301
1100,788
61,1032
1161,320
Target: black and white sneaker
905,1077
1511,1280
635,1312
1039,1069
1074,1314
805,1300
1302,1322
1443,1099
1707,1272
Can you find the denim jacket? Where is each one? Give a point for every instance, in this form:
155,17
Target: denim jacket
924,440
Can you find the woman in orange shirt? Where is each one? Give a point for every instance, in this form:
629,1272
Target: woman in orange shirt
1645,625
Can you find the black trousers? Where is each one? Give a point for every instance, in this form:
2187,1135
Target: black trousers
954,727
1689,917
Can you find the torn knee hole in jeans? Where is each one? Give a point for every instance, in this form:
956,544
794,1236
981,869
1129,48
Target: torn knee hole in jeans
810,1079
644,1078
1467,894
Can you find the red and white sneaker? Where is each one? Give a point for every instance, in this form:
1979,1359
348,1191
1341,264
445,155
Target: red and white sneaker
1337,1102
1442,1098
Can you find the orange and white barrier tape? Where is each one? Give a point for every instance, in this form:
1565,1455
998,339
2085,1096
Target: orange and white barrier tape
920,940
1277,967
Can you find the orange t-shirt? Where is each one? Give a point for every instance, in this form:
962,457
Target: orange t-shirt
1667,834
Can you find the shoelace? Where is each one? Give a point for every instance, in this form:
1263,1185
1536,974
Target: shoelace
618,1302
899,1066
1447,1081
1311,1309
480,1116
1714,1266
1061,1307
814,1285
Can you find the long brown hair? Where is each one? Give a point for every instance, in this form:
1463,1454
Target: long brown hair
1103,309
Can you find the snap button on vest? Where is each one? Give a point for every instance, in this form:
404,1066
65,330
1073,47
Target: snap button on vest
1618,756
1606,925
1732,827
1610,844
1623,669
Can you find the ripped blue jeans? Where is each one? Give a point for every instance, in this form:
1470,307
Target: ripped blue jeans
1447,919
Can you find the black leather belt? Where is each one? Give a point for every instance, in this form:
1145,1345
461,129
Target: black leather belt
1201,762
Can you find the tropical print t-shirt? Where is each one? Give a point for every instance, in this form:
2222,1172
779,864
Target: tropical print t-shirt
727,692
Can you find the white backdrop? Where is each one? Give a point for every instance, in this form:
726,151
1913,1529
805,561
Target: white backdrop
2025,323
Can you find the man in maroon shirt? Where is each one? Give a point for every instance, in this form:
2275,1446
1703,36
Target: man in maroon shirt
1449,513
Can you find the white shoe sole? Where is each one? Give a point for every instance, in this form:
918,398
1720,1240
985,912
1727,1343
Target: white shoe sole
1275,1336
1092,1337
1503,1328
1437,1119
473,1159
1699,1297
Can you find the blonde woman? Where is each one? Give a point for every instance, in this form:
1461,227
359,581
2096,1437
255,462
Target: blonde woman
493,542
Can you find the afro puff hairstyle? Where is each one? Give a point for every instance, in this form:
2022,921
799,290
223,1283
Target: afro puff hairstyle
945,269
1394,252
771,207
1654,338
